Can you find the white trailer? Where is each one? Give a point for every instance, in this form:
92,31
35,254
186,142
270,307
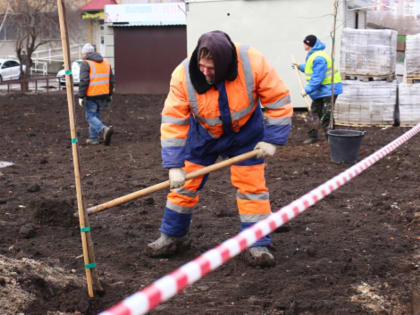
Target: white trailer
275,27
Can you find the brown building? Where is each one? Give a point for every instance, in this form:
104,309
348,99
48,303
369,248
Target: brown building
149,41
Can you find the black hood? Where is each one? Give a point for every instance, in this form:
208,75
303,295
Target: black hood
224,57
94,56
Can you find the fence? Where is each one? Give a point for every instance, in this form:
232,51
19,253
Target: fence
42,58
169,285
56,54
33,84
40,66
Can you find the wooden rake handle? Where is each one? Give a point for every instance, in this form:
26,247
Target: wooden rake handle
307,101
165,184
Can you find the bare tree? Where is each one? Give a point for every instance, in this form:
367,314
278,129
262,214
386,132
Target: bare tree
36,24
3,21
6,8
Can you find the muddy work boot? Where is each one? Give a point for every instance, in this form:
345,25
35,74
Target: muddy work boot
108,131
259,256
166,246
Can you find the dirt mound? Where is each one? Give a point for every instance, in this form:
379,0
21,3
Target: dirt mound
26,284
54,212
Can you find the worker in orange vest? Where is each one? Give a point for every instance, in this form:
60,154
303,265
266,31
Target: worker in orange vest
213,109
95,88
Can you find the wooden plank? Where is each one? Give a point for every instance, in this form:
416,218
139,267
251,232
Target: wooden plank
415,302
413,79
367,78
363,125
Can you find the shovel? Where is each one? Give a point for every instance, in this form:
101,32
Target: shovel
314,122
165,184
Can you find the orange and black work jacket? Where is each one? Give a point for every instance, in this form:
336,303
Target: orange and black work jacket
96,77
194,122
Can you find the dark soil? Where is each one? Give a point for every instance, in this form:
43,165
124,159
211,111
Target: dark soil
355,252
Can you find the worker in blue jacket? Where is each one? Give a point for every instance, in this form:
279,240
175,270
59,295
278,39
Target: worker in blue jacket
318,70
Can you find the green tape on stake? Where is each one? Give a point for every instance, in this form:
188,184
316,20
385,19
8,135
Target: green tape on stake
85,229
90,266
68,72
74,140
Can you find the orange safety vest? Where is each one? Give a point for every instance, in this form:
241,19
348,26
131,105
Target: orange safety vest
99,78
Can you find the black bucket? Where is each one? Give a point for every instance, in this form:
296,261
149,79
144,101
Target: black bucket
345,145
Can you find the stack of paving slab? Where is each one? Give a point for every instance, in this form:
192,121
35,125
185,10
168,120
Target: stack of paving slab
366,52
366,103
412,56
368,59
409,103
409,90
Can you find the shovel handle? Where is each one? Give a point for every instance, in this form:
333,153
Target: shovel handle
302,88
165,184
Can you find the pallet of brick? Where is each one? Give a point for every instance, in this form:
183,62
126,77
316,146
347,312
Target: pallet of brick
412,58
409,104
367,52
366,103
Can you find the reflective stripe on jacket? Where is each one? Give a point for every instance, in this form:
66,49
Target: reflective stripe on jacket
99,78
252,198
327,77
256,82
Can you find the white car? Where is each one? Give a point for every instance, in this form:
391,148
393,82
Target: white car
10,69
75,70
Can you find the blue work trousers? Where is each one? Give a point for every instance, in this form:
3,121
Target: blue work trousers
93,116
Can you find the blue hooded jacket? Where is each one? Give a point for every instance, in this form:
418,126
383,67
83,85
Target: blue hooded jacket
315,89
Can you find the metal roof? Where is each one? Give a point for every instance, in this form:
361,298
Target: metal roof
151,14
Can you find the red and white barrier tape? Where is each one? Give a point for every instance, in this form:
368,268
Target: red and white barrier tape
169,285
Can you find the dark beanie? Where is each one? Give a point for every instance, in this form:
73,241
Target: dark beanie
310,40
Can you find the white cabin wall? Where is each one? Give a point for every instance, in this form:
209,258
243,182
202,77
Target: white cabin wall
275,27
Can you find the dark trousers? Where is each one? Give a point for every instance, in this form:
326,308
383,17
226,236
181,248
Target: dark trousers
321,113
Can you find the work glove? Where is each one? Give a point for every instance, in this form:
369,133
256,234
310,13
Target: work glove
295,65
304,94
82,102
265,149
176,177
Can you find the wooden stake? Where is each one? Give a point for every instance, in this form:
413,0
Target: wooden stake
332,66
302,87
163,185
87,244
